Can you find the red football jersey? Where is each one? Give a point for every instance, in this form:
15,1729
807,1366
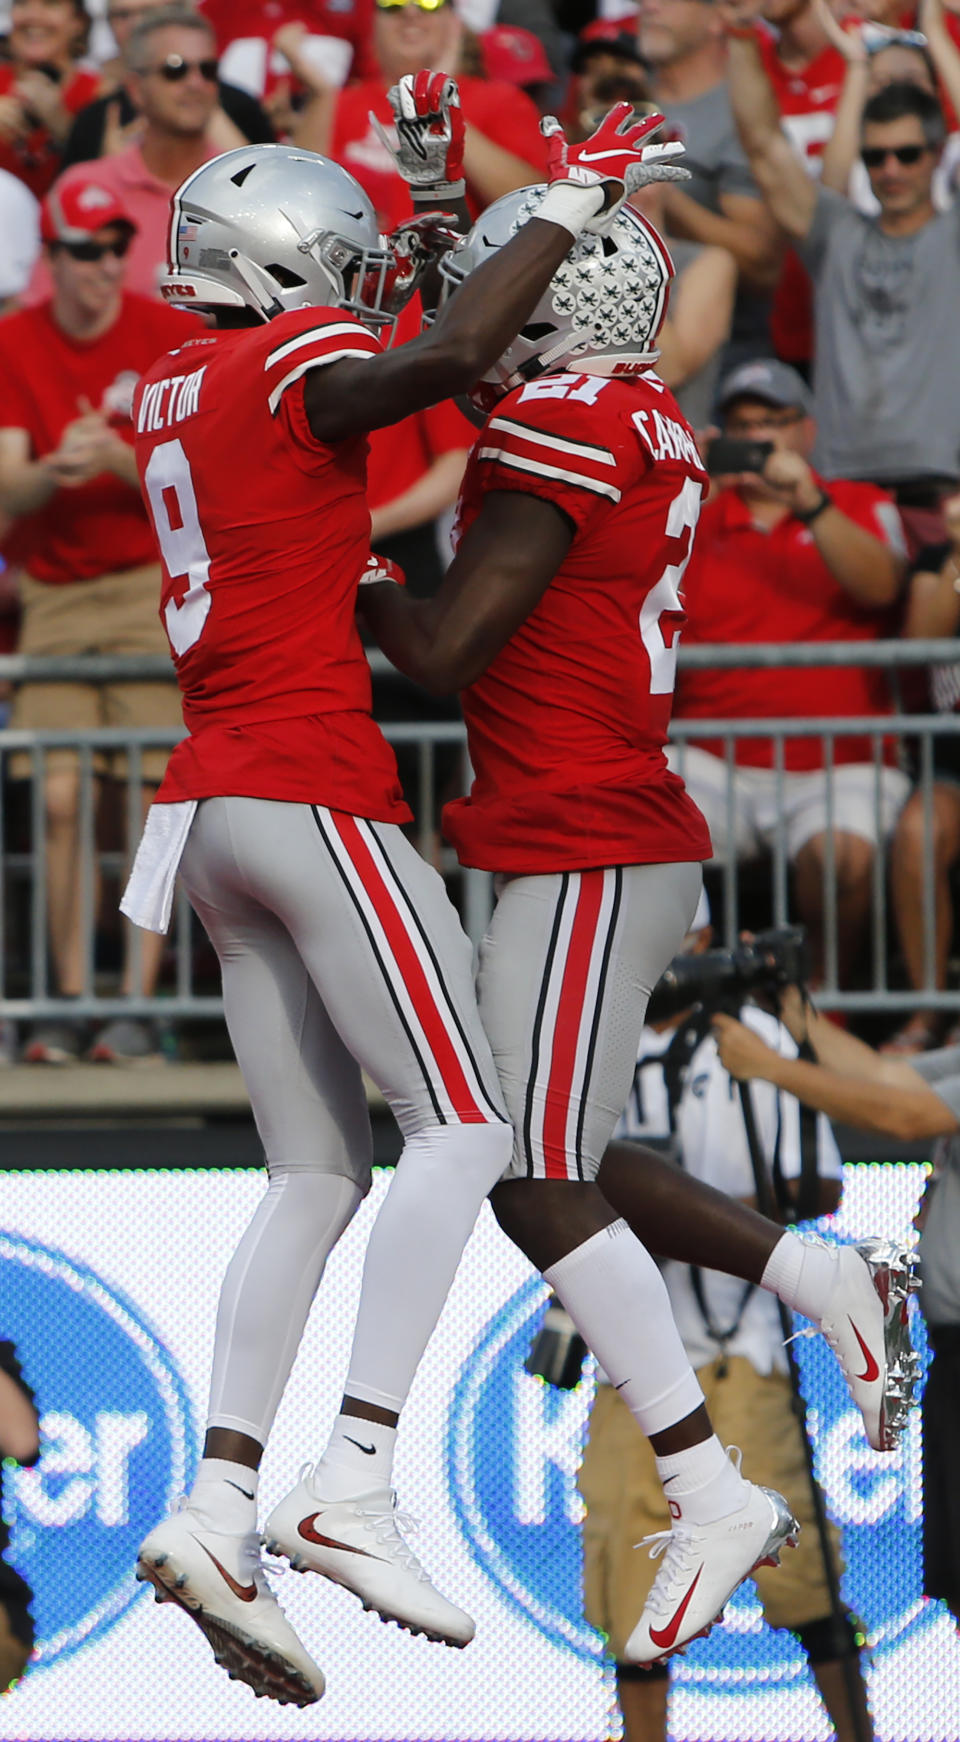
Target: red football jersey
46,377
263,534
750,584
566,727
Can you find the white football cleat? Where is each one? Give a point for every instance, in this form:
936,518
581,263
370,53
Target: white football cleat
702,1566
219,1581
357,1544
866,1324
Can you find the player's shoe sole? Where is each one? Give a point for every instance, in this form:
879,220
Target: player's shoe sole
243,1623
357,1544
703,1566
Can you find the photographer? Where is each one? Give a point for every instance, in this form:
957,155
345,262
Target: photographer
782,557
733,1336
849,1081
19,1442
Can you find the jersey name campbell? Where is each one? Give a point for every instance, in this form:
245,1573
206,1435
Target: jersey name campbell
263,533
566,727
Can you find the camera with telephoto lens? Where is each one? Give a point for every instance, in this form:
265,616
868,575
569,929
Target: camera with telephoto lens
722,979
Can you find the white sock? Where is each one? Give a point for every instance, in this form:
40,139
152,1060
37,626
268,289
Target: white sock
704,1482
618,1301
358,1458
225,1496
802,1273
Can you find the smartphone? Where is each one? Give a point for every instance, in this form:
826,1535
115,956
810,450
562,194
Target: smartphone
728,454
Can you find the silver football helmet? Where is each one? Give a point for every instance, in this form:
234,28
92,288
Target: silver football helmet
601,312
270,228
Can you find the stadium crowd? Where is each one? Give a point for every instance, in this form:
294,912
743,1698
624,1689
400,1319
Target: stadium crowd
812,319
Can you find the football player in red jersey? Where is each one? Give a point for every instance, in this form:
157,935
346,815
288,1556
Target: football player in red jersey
338,946
558,621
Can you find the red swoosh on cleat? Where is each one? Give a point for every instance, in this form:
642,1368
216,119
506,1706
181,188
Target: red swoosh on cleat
871,1370
306,1530
246,1593
668,1634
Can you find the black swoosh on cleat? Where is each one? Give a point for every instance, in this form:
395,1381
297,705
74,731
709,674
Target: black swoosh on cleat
240,1490
370,1450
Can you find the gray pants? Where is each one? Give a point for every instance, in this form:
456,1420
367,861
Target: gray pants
566,971
339,949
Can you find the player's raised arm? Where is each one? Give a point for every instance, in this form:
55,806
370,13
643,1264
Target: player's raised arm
586,184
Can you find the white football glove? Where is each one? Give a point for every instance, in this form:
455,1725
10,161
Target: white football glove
428,151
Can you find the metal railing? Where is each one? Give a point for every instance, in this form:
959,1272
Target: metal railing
188,988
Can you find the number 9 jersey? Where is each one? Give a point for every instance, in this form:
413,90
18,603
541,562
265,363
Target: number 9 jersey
566,726
263,534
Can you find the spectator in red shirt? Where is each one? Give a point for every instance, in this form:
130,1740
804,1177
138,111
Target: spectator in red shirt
781,557
90,581
504,148
41,86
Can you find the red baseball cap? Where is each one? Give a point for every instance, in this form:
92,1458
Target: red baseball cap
75,210
516,56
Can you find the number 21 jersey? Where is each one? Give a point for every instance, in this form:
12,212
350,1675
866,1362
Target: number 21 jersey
263,534
566,726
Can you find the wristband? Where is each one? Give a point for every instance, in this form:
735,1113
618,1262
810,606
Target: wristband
811,514
571,206
439,190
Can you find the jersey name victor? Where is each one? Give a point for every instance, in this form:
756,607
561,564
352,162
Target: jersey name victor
158,411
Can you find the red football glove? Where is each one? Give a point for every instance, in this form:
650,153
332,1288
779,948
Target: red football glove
416,245
616,159
429,123
381,568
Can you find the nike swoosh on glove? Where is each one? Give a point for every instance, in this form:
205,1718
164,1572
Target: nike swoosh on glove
428,151
616,159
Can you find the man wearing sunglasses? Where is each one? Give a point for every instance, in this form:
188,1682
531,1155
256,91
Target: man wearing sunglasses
884,287
68,479
112,121
172,78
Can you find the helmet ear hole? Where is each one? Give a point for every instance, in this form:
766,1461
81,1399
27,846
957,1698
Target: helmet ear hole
537,330
287,279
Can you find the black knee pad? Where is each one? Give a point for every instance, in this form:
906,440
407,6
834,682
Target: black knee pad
832,1638
635,1672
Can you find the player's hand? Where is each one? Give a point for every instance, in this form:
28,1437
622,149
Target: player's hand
430,133
381,568
616,159
416,246
742,1053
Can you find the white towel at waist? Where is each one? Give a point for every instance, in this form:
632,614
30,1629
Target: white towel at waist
148,897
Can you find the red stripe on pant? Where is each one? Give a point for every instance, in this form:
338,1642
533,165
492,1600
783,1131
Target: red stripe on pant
567,1025
411,971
